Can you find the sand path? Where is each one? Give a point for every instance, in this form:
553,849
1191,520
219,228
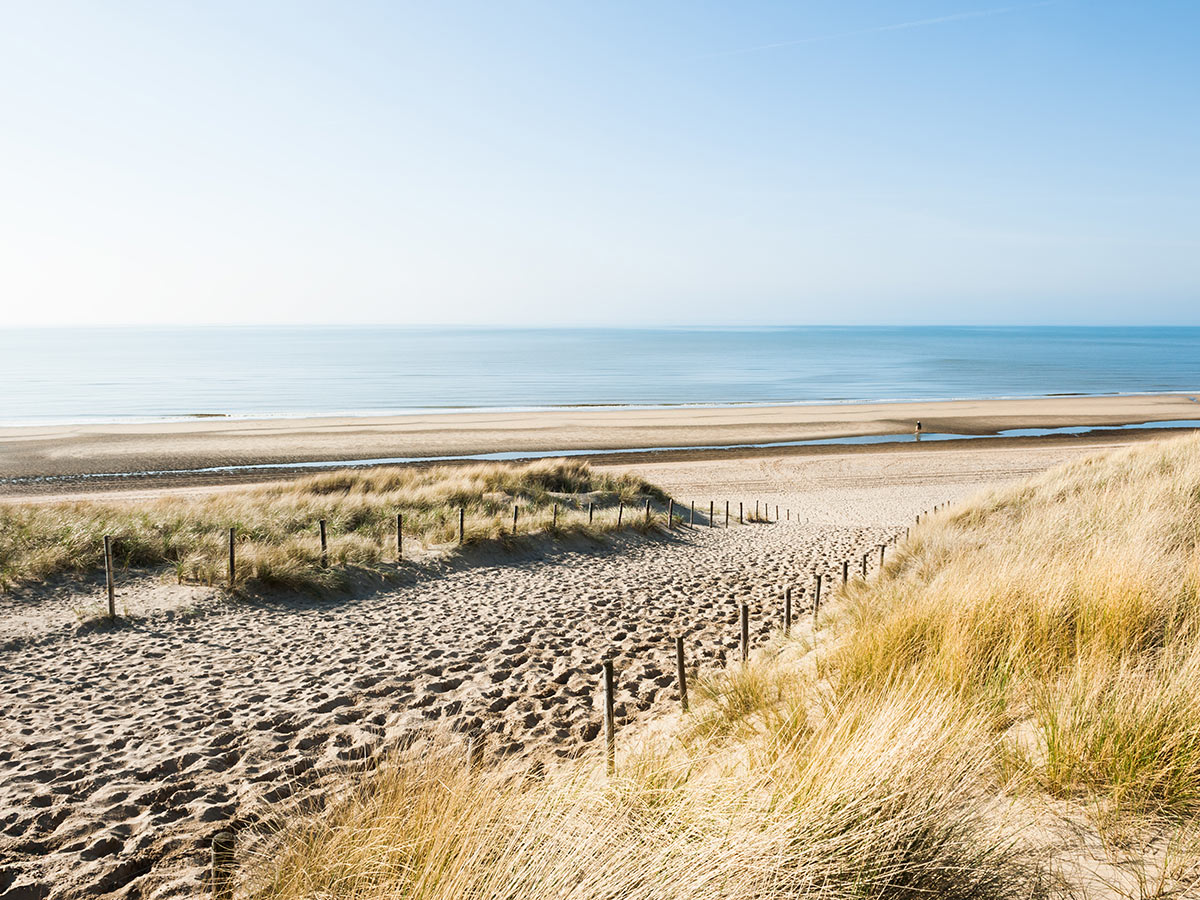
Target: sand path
123,750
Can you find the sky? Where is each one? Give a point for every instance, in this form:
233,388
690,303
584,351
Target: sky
599,163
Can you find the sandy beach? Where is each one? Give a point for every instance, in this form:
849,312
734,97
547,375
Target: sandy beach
125,749
63,452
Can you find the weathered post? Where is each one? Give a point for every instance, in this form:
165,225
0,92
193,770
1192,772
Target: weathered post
882,548
726,513
221,873
681,672
692,518
670,513
647,509
776,512
232,561
864,565
756,509
324,545
462,521
514,518
787,611
745,633
591,511
554,524
610,725
399,536
109,580
711,510
817,599
740,518
845,571
620,512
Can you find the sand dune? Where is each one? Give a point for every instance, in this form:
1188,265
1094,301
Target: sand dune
125,749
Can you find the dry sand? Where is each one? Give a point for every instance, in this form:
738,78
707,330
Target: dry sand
123,750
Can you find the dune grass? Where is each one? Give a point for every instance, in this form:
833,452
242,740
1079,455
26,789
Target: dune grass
1038,644
877,802
276,526
1070,604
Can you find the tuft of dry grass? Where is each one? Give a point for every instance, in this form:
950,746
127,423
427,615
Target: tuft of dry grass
877,802
276,525
1070,603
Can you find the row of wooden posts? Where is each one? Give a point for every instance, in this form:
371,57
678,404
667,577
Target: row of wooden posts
610,731
223,860
110,578
109,571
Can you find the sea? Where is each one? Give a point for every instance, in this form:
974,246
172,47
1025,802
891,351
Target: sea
125,374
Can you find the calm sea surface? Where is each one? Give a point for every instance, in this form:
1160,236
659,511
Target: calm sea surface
82,375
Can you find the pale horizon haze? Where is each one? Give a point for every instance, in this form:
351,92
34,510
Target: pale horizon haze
616,164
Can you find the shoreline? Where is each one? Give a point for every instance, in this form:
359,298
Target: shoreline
369,414
41,461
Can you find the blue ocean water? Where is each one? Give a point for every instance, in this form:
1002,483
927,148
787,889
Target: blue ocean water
84,375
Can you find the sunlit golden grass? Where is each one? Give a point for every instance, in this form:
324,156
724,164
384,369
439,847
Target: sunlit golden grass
1038,644
1070,602
879,802
277,541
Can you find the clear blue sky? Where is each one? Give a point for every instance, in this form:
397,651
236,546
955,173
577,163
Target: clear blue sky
930,161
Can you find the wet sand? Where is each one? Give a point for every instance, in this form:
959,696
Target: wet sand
31,452
124,750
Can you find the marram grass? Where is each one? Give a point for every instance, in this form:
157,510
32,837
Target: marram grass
877,802
277,542
1067,606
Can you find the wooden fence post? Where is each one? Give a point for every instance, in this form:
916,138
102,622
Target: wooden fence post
324,545
610,725
462,517
845,571
620,512
647,509
692,519
232,561
221,866
555,522
399,536
787,611
740,518
109,579
591,511
670,513
711,510
817,599
726,513
514,518
745,633
882,548
681,671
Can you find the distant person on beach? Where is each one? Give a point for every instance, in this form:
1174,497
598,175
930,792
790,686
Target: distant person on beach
917,430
